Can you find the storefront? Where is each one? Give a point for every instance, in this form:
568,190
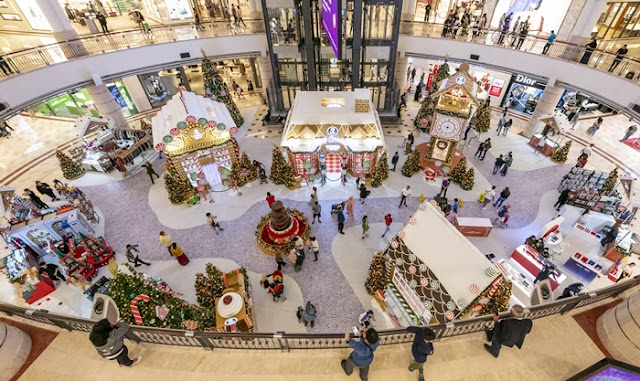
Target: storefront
523,93
441,8
333,128
544,16
575,104
159,87
123,99
619,20
68,105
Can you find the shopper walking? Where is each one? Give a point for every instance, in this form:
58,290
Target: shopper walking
362,355
508,332
490,196
387,224
279,255
507,163
629,132
540,145
363,192
480,149
298,244
444,187
35,199
44,188
498,164
595,127
341,219
150,171
312,245
132,256
502,213
394,161
404,194
103,22
550,40
504,195
211,220
507,126
421,348
108,339
350,203
620,53
524,30
270,199
316,211
343,174
587,150
165,240
562,199
501,123
365,227
239,16
177,252
297,257
487,146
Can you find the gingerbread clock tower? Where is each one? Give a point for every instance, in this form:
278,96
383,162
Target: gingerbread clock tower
453,104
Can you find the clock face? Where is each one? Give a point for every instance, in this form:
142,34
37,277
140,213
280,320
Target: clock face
460,80
447,127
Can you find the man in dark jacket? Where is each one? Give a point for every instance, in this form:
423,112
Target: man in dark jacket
44,188
109,341
394,161
103,22
421,348
508,332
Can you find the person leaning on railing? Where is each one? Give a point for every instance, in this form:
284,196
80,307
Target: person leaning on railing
362,355
108,339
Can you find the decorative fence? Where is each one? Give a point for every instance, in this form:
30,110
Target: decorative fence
286,341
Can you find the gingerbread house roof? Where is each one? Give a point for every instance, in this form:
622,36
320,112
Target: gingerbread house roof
462,81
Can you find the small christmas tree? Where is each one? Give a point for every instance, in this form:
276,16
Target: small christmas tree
70,169
246,164
610,183
560,155
412,165
281,171
377,279
499,301
482,119
236,174
467,180
459,171
425,113
381,171
216,89
209,286
441,74
178,189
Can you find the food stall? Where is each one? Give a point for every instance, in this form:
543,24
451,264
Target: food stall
437,275
473,226
23,274
553,125
195,133
333,127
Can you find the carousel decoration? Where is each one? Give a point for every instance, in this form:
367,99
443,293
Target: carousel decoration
277,229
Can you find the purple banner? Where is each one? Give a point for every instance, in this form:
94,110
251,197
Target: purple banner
331,23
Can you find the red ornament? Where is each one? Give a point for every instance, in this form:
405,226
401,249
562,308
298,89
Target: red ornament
212,123
233,130
227,299
174,131
190,119
160,147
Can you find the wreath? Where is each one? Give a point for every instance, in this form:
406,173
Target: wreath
442,144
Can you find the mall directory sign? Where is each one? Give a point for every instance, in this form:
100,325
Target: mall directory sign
331,23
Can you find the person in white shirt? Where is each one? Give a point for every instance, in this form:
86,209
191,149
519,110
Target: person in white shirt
587,150
489,197
313,246
541,144
406,192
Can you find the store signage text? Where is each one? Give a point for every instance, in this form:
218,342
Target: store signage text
496,87
332,147
520,78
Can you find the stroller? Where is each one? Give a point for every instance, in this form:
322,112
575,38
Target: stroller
334,207
263,176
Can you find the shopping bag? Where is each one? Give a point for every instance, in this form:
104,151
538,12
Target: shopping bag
482,197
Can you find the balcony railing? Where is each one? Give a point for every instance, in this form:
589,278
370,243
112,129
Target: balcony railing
598,59
287,341
34,58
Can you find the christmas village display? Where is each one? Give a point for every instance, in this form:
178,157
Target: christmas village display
149,301
413,281
593,190
329,129
553,125
276,230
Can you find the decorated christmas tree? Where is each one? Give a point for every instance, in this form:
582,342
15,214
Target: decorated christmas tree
425,113
459,171
482,119
236,174
178,189
246,164
467,180
377,279
560,155
412,165
381,171
499,301
70,168
172,312
442,73
610,183
281,171
209,286
216,89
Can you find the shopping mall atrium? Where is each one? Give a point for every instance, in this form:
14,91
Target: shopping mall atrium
319,189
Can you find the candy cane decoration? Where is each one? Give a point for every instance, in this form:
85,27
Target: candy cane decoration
134,308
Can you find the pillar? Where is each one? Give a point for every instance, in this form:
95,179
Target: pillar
57,18
14,350
619,330
402,64
546,106
136,92
254,71
184,79
489,9
580,20
106,105
408,10
255,9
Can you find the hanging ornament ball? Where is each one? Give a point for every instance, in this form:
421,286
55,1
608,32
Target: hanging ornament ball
449,315
132,296
412,269
233,130
174,131
221,126
202,121
412,221
424,282
212,123
446,169
307,165
160,147
181,125
394,244
438,163
190,119
401,234
167,139
366,164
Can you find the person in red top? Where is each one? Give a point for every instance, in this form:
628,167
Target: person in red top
270,199
387,221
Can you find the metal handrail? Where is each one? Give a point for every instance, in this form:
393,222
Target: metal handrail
599,59
287,341
29,59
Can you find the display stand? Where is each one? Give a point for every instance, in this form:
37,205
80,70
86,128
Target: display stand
240,306
474,227
549,148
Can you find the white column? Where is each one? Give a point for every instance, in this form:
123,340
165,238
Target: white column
255,9
137,93
619,332
107,106
402,63
266,73
408,10
546,105
489,9
57,18
590,11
